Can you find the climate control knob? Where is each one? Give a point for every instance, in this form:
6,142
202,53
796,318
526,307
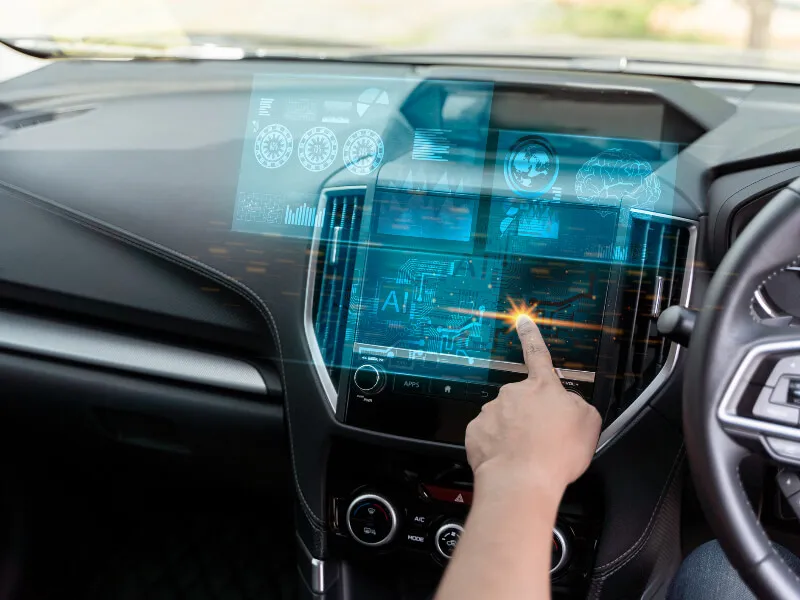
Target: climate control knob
559,555
447,537
370,379
371,520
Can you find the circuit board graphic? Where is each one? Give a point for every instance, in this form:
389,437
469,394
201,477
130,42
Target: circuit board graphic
407,301
458,305
567,296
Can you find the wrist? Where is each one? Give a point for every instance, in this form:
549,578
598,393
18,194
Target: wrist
512,483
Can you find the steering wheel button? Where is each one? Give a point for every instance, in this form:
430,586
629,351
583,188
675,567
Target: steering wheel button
794,503
789,482
781,393
789,366
793,394
771,411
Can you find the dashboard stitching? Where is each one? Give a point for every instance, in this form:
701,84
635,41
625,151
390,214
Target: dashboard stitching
195,266
753,314
639,543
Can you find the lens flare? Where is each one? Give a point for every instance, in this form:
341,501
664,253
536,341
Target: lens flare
518,309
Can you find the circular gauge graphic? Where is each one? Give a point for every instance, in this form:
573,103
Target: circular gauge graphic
317,149
618,177
531,166
273,146
363,151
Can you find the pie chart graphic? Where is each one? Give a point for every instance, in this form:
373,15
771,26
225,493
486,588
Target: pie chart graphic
369,98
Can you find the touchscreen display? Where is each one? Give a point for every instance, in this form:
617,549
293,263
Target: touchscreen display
459,308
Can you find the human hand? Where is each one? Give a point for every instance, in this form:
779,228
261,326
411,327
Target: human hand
535,432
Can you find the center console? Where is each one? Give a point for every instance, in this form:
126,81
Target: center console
458,206
408,511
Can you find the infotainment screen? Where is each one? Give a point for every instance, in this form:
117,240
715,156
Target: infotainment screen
456,307
470,213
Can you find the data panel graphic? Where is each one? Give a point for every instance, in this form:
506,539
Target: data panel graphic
425,216
406,133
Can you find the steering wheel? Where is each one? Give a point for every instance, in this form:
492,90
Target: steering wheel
737,388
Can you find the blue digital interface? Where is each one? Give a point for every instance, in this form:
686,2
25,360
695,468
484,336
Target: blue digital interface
463,221
428,303
564,230
426,216
606,173
440,310
306,133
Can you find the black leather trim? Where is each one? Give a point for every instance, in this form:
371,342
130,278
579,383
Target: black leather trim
647,567
725,331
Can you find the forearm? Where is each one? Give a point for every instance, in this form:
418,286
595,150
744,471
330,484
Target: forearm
504,552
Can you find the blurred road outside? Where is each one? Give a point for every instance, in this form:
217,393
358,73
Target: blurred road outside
657,28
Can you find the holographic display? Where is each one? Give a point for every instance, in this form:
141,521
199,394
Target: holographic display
601,172
306,133
620,176
531,166
465,223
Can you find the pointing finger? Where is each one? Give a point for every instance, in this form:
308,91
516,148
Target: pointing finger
537,356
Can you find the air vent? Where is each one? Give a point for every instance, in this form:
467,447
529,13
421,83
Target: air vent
336,260
651,280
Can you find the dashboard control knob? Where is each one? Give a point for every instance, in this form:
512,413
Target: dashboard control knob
371,520
370,379
559,557
447,537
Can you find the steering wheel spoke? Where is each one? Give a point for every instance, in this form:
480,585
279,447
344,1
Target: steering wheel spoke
762,400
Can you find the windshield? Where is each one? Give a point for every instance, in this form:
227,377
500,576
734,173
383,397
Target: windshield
747,33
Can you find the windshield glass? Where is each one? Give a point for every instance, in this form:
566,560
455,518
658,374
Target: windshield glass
751,33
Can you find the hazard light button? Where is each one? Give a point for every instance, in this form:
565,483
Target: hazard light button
445,494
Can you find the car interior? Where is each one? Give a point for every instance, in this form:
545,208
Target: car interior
248,308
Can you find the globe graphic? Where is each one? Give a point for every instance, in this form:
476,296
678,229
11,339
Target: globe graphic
618,177
531,166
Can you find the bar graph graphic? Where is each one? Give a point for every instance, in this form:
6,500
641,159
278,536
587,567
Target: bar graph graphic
265,106
304,215
431,144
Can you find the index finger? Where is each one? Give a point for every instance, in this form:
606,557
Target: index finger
534,348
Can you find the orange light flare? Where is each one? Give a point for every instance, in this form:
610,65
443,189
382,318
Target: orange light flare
519,309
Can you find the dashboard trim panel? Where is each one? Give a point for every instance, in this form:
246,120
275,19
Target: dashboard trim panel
308,318
64,341
629,414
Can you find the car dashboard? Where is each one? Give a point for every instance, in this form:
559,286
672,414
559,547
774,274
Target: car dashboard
344,247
